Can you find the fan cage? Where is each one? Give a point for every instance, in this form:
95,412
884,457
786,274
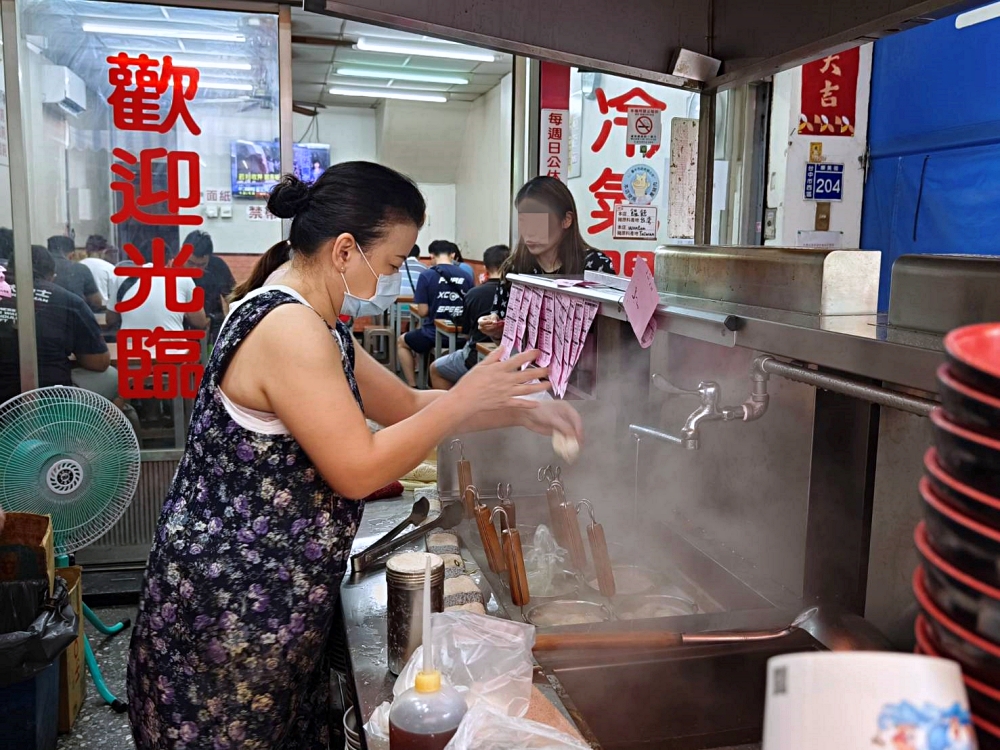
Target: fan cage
71,454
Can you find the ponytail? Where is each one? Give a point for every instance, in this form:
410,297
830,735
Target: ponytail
276,256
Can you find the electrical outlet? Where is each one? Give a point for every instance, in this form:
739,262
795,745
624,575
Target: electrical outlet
770,223
226,211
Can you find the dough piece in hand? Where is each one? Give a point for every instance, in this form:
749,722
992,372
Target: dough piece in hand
566,447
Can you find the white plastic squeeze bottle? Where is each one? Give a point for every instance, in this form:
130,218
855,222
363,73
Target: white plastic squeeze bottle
427,715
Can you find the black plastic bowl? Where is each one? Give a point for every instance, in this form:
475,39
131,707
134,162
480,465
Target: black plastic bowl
970,603
978,657
974,356
966,406
984,700
963,542
970,457
968,500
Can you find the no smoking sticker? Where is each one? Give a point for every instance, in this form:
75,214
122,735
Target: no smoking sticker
644,126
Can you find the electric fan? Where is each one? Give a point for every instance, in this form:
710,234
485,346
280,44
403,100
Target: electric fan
73,455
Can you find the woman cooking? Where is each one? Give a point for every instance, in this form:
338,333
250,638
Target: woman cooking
549,242
258,523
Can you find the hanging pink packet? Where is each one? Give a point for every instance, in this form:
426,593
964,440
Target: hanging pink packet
574,325
522,318
534,313
560,340
510,328
547,323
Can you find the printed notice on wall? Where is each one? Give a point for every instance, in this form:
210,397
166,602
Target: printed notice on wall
635,222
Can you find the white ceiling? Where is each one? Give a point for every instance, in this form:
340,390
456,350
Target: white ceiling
314,65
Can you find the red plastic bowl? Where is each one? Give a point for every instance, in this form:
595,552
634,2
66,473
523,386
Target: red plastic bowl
971,457
970,603
974,356
968,545
983,699
979,657
965,499
967,406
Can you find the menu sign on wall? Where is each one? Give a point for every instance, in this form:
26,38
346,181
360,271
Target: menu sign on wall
149,95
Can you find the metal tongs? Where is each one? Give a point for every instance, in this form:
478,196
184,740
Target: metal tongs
450,517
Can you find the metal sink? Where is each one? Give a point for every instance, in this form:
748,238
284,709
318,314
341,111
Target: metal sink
682,699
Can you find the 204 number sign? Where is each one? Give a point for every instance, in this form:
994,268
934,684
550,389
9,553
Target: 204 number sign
824,182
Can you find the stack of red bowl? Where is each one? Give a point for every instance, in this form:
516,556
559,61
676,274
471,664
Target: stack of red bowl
958,582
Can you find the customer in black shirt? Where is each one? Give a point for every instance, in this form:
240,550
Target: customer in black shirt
74,277
217,280
64,326
448,370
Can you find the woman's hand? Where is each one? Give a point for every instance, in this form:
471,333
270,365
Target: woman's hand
495,385
554,416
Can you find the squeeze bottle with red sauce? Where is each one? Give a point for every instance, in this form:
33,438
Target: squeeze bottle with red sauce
427,715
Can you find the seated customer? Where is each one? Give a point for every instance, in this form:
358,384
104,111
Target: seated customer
103,271
410,272
64,327
73,277
153,312
440,295
216,280
448,370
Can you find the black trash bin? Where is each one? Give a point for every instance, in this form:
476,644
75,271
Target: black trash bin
34,631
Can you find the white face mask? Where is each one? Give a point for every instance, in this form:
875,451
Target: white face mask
386,291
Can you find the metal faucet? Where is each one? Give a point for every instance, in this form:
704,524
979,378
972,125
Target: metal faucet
710,395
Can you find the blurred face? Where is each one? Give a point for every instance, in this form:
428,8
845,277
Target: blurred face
383,258
540,228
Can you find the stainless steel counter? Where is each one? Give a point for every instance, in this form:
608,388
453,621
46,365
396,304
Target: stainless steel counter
363,600
863,345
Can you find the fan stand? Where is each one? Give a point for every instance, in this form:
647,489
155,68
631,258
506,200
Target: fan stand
120,706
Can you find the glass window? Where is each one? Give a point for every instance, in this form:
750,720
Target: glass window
144,124
605,172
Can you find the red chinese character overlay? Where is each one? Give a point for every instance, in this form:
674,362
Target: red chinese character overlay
171,200
139,85
607,190
160,269
621,104
159,363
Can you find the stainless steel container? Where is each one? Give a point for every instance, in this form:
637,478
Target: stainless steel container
404,577
565,612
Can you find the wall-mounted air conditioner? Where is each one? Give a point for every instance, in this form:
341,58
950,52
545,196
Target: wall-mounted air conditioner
64,88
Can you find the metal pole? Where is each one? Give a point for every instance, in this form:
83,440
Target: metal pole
19,199
285,97
706,171
845,386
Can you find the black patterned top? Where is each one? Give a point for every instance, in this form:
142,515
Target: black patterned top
238,601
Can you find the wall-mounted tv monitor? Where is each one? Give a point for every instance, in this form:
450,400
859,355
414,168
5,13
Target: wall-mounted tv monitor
256,166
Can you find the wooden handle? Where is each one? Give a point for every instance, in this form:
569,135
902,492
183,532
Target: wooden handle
514,555
464,482
574,542
554,496
602,561
637,640
488,533
510,510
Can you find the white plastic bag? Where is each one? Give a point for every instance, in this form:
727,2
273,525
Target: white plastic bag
485,728
486,659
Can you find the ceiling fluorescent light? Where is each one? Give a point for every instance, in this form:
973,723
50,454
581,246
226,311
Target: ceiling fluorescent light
211,65
222,86
422,49
388,94
164,31
979,15
394,74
